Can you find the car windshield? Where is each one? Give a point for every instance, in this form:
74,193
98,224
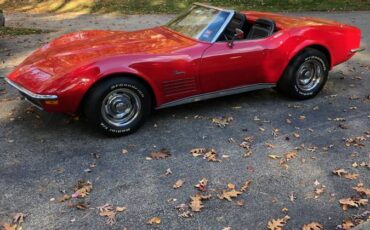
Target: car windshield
202,23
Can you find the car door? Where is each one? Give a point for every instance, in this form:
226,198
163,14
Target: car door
225,67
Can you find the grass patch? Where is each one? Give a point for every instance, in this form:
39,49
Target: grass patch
11,31
175,6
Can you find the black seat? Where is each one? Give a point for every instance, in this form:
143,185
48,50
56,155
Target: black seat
238,22
262,28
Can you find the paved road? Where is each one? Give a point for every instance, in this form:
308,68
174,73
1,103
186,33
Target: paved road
42,154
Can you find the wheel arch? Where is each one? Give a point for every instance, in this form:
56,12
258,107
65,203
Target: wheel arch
118,75
319,47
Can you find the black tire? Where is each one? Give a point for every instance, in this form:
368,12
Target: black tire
292,83
117,94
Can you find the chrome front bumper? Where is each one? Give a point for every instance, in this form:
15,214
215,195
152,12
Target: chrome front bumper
31,94
33,98
357,50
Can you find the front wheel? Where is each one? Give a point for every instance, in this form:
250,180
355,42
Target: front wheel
118,106
305,76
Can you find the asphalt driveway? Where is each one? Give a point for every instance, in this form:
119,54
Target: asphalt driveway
43,155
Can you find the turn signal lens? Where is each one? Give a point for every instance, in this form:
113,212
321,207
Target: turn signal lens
52,102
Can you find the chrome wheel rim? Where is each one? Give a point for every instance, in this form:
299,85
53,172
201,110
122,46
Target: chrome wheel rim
309,75
121,107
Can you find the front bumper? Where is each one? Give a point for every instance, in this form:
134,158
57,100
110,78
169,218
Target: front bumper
357,50
33,98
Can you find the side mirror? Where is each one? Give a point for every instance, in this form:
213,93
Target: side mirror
239,34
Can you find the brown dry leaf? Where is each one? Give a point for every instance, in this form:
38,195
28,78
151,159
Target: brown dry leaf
277,224
246,186
351,176
10,227
319,190
240,202
269,145
211,155
202,185
109,212
312,226
178,184
82,189
222,122
154,221
63,198
296,135
362,190
18,218
347,225
274,157
121,209
339,172
231,186
196,202
352,202
291,155
198,152
355,142
247,153
229,194
162,154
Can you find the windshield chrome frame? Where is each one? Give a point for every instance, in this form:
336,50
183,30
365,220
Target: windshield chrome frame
222,28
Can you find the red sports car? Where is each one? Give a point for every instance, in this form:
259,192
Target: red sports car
116,78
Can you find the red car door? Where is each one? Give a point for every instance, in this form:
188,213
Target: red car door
225,67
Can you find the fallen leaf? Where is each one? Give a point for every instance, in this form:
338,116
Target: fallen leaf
10,227
362,190
124,151
312,226
82,189
222,122
229,194
347,225
198,152
274,157
154,221
339,172
178,184
351,176
291,155
63,198
246,186
168,172
196,202
202,185
277,224
121,209
352,202
162,154
319,190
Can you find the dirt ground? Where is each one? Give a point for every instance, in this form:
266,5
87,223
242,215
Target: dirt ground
43,154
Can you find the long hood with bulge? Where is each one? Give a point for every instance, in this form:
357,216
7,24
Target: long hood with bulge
71,51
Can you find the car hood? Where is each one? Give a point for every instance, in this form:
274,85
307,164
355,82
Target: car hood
71,51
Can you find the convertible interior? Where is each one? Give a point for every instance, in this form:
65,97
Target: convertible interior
257,29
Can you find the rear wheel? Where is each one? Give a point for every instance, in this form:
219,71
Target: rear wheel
306,75
118,106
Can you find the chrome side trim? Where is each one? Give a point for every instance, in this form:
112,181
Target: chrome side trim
221,93
29,93
357,50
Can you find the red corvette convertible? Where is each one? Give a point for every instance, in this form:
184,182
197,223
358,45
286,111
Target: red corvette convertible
116,78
